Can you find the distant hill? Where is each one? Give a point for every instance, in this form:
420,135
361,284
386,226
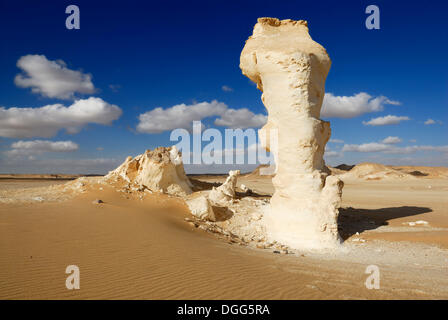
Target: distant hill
45,176
376,171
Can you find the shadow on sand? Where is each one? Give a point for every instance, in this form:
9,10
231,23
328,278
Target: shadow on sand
352,220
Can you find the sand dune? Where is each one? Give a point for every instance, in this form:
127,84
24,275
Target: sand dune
375,171
427,172
139,246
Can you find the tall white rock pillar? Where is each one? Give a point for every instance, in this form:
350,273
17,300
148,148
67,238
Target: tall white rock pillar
290,69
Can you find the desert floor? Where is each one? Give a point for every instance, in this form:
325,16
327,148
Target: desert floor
131,248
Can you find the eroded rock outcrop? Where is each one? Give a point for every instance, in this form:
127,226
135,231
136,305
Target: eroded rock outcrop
290,69
159,170
225,193
201,208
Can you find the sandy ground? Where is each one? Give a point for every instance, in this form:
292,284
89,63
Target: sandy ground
8,184
140,247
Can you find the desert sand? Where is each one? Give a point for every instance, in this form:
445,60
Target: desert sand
143,245
147,230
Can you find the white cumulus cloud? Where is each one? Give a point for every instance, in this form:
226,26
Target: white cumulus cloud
431,121
52,78
386,120
48,120
178,116
391,140
367,147
330,154
388,148
182,115
226,88
67,165
241,118
33,147
353,106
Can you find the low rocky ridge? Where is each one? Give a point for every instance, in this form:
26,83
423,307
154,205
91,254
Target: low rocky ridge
160,170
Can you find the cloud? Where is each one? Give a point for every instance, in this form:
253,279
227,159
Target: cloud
48,120
72,165
367,147
35,147
353,106
245,152
431,121
330,154
336,141
388,148
58,165
391,140
387,120
114,87
387,145
182,115
226,88
241,118
240,150
52,78
178,116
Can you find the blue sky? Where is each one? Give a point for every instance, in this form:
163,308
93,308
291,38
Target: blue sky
141,55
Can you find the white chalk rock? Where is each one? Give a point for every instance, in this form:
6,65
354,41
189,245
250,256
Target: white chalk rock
290,69
200,208
419,222
159,170
225,193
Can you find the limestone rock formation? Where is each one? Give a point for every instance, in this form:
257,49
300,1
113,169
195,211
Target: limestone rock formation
225,192
200,207
290,69
159,170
